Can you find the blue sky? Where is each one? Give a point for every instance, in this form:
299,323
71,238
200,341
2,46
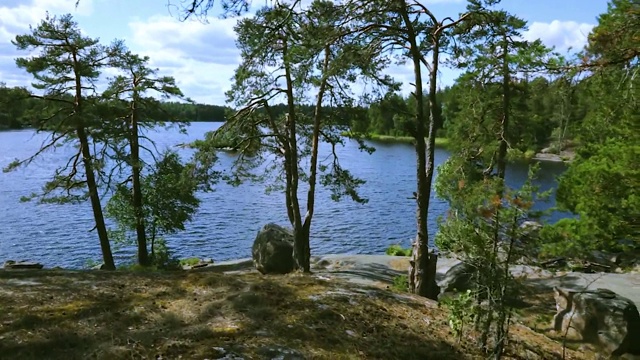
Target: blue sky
202,56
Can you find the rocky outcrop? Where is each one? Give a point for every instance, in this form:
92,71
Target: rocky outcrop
11,264
457,278
599,317
272,250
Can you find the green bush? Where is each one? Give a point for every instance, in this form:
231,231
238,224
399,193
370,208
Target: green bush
397,250
400,283
190,261
162,258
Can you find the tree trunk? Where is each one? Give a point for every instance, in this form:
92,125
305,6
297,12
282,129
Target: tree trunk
107,256
305,234
136,165
506,99
101,228
423,264
299,246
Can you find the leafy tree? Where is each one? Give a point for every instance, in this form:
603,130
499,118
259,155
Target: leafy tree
413,30
485,218
138,111
285,57
65,68
601,185
168,202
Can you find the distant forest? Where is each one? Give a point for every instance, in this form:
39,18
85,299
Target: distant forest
19,110
546,111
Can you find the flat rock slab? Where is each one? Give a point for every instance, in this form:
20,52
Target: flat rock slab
381,269
22,265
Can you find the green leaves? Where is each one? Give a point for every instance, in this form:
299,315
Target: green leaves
168,197
615,40
601,184
604,190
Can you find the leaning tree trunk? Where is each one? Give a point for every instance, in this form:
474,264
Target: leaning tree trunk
101,228
107,256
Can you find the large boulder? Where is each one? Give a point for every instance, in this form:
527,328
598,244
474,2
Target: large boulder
457,278
600,317
272,250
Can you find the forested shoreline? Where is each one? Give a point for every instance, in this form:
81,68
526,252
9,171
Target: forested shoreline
549,111
19,110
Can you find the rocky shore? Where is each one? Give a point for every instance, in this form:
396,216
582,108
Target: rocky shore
357,276
380,270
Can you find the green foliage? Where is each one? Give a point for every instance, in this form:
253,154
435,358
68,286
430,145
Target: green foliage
169,201
162,258
483,225
400,283
604,190
601,184
17,108
462,310
614,40
190,261
398,250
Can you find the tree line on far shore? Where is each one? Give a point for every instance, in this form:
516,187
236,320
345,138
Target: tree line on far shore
19,110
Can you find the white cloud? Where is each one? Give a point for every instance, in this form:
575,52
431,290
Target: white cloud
201,56
15,18
560,34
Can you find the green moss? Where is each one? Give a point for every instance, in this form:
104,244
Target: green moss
397,250
516,154
440,142
190,261
400,283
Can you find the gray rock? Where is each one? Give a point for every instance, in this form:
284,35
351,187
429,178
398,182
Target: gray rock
531,226
98,267
280,353
457,278
599,317
603,258
11,264
272,250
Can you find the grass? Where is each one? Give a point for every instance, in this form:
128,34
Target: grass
400,284
397,250
440,142
515,154
190,261
59,314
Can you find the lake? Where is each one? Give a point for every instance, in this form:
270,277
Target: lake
229,217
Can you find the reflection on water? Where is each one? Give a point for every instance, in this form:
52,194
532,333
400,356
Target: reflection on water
229,218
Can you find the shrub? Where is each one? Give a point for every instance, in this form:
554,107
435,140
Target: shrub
397,250
400,283
190,261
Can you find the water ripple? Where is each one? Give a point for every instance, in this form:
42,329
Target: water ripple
230,217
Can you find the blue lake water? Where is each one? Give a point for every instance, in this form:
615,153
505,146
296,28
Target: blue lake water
229,217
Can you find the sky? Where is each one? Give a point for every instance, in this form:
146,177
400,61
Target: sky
201,55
